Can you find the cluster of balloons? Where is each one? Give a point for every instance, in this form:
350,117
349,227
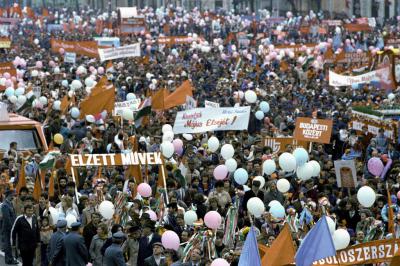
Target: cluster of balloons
264,108
167,148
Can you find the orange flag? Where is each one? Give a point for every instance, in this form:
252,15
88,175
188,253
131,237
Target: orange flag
51,184
43,178
22,179
134,170
158,99
390,212
100,86
97,103
37,189
178,97
274,255
45,12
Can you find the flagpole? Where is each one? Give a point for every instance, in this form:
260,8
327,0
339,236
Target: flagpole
76,190
165,182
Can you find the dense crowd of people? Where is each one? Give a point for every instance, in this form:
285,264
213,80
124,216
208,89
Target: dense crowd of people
221,67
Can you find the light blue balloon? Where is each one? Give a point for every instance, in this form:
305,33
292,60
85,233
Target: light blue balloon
75,112
264,106
259,115
277,211
19,91
64,83
9,91
301,156
241,176
354,86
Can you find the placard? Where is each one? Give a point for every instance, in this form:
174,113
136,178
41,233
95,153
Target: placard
346,174
278,145
208,104
5,42
110,159
373,126
366,253
314,130
132,105
70,58
212,119
84,48
132,50
338,80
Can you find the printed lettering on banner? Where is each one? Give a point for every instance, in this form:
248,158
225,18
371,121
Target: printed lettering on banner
70,58
132,158
212,119
132,105
132,50
314,130
208,104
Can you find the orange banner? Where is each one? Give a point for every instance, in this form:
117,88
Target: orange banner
347,57
297,48
352,27
5,42
8,67
366,253
279,145
314,130
84,48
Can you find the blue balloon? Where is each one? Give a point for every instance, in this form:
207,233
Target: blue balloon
264,106
9,91
277,210
301,156
259,115
241,176
354,86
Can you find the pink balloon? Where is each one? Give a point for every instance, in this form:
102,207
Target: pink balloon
179,151
52,63
212,219
39,64
8,83
375,166
148,48
61,50
7,75
219,262
348,41
100,70
170,240
13,79
148,42
398,195
359,51
220,172
120,65
22,63
91,68
178,143
195,56
20,74
152,214
144,190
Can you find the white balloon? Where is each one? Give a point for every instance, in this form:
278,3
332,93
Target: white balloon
19,91
341,239
190,217
70,219
76,84
21,99
168,136
316,167
127,114
301,156
283,185
227,151
89,82
90,118
167,149
75,112
130,96
287,162
12,99
274,202
391,96
56,70
106,209
34,73
57,105
231,164
305,172
213,144
331,224
64,83
166,127
261,179
43,100
255,206
187,136
269,167
250,96
366,196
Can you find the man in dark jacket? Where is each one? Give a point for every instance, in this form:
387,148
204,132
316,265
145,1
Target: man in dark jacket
146,242
157,259
8,219
55,252
113,255
76,253
26,231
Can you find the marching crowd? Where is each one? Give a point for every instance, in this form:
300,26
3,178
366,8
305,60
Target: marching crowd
220,68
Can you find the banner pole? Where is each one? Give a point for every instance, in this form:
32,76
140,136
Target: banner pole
76,189
165,182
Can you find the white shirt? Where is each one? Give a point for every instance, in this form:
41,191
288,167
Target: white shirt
29,219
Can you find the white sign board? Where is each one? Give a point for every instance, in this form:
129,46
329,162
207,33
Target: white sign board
208,104
338,80
132,50
132,105
212,119
70,58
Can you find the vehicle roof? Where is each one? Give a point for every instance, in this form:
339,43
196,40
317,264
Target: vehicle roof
18,120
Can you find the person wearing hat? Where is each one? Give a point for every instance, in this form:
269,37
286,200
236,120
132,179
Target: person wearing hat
113,255
157,259
26,230
147,240
55,251
131,245
76,253
8,219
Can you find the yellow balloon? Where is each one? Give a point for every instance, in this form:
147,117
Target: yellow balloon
58,138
